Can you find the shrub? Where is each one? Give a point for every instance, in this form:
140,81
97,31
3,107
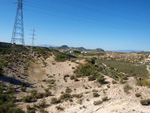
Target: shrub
126,88
76,51
79,101
33,93
105,98
27,99
39,95
91,60
15,110
65,76
7,102
51,81
94,90
59,108
68,90
144,82
76,79
5,63
95,94
114,82
101,79
60,57
31,111
23,89
55,101
145,102
43,111
85,70
65,96
97,102
77,95
48,93
72,77
28,107
91,78
137,94
42,103
10,90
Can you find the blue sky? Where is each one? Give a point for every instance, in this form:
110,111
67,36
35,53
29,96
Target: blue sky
107,24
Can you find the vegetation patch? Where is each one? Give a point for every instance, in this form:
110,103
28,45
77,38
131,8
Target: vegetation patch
7,101
95,94
126,88
143,82
145,102
60,57
132,69
97,102
55,101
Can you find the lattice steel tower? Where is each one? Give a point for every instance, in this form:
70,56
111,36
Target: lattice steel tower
18,30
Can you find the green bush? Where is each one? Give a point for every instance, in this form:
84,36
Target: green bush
48,93
97,102
138,95
33,93
68,90
28,107
126,88
65,96
145,102
95,94
39,95
43,111
51,81
10,90
27,99
144,82
59,108
77,95
101,79
55,101
76,52
105,98
7,101
60,57
91,78
23,89
86,70
42,103
72,77
5,63
91,60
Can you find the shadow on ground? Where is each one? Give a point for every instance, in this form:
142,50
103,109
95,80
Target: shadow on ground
12,80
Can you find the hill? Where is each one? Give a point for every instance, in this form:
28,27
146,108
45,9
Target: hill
50,81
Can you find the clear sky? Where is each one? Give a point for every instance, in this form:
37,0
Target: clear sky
107,24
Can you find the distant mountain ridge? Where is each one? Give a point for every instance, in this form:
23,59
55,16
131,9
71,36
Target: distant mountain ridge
127,51
65,48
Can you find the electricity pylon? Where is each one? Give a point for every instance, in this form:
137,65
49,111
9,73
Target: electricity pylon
18,30
33,35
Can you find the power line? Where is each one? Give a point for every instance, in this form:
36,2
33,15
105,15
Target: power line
80,15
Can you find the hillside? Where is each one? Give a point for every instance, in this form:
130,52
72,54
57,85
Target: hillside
49,81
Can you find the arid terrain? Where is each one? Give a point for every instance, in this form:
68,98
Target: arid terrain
49,81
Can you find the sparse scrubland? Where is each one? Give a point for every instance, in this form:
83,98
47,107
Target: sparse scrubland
49,81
